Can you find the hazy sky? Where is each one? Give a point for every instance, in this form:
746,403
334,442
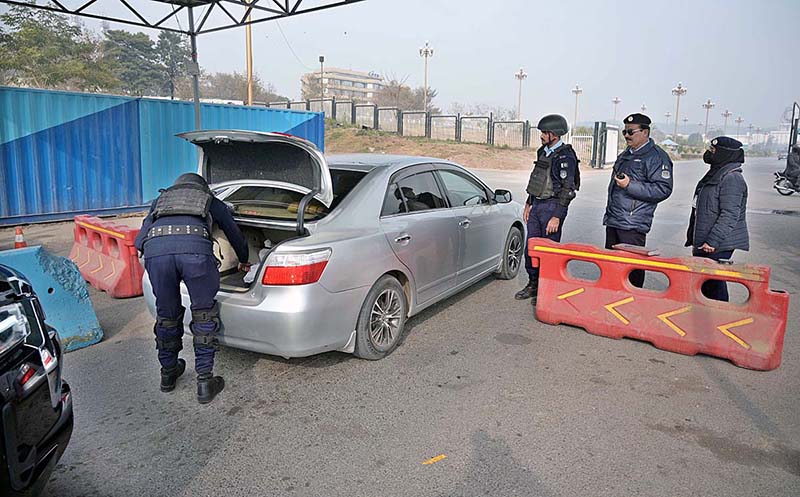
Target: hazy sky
744,55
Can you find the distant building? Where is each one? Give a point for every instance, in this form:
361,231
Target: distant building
343,83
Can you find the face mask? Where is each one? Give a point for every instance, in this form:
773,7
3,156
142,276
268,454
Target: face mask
708,157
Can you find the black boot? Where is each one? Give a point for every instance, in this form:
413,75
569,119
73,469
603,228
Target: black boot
528,292
170,376
208,387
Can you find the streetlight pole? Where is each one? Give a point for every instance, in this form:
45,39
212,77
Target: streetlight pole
739,122
521,75
678,91
577,91
643,107
685,120
726,115
425,52
322,81
249,46
194,70
707,106
615,101
668,114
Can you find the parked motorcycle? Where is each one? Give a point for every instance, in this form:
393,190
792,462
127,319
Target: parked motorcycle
783,185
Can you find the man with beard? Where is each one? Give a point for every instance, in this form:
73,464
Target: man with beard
642,178
552,185
718,223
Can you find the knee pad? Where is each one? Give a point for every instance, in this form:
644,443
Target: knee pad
168,333
205,325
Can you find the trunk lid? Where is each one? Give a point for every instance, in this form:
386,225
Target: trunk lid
234,155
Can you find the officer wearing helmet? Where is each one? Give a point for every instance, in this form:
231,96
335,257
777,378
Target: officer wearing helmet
551,187
642,178
175,239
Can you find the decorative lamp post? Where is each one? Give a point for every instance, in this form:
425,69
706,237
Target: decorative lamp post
726,115
426,52
707,106
615,101
678,91
577,91
521,75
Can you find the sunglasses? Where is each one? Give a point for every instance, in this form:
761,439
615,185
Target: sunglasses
630,132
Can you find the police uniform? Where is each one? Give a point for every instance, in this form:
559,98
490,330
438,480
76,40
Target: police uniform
551,187
176,241
629,211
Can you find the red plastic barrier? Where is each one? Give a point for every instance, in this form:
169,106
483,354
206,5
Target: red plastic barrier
679,319
106,256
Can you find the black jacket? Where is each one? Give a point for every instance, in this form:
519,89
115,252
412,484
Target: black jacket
719,215
650,172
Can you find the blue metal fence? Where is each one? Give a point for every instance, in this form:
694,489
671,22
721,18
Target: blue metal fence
65,153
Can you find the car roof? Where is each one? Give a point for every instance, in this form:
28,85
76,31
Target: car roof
368,162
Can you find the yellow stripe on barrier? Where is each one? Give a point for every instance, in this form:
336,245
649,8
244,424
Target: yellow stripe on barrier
648,263
611,308
102,230
571,294
725,328
665,319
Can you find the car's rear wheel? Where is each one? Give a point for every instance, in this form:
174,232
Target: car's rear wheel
512,255
381,320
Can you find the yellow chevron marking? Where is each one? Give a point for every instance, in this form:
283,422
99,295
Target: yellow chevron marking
101,265
665,319
435,459
611,308
102,230
571,294
113,271
725,328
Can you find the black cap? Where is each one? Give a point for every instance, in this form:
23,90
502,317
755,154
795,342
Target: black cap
726,142
639,119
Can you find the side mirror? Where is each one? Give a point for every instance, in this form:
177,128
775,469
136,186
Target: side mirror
502,196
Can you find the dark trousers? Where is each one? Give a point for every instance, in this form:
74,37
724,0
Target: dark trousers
201,277
541,213
631,237
714,289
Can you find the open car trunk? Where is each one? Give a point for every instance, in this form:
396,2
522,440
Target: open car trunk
260,239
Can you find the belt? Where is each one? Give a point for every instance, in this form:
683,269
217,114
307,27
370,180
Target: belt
186,229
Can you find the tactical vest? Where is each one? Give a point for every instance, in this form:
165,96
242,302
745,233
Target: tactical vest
540,183
183,200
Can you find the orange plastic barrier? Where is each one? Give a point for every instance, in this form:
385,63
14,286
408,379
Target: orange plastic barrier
679,319
106,256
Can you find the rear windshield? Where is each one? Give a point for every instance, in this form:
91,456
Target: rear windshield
277,203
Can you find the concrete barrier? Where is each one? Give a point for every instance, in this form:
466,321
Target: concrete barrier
62,293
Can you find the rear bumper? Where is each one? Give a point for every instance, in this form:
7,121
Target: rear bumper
287,321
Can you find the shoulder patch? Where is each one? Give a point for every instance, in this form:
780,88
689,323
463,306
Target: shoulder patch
563,174
665,174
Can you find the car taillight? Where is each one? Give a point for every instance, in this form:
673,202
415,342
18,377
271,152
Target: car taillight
299,268
26,373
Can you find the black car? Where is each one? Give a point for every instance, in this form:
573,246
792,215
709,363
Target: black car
35,402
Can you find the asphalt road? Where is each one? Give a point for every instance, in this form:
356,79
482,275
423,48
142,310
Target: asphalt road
517,408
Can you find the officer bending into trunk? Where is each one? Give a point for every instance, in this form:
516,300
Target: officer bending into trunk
177,245
552,185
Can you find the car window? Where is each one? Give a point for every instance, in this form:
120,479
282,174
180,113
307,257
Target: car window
414,193
278,203
463,190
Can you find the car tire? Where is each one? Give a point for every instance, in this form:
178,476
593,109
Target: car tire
381,320
512,255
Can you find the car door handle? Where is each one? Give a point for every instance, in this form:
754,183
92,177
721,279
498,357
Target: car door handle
464,223
403,239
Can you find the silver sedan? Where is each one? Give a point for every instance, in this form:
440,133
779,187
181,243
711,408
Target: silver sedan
346,248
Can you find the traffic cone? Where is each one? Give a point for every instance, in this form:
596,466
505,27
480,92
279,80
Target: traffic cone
19,239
